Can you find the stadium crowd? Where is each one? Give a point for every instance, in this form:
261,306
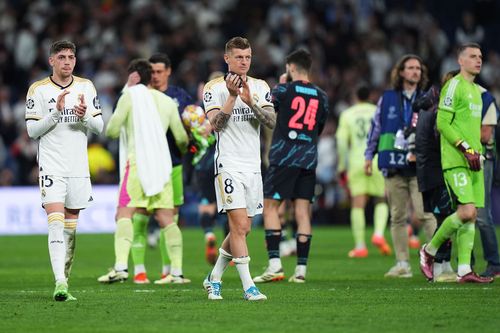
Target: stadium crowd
352,41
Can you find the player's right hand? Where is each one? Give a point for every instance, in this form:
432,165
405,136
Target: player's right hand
233,82
60,100
368,167
473,158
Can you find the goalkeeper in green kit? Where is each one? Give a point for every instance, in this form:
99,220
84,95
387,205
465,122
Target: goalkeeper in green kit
459,123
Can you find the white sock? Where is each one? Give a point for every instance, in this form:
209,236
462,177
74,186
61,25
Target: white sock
138,269
57,247
70,242
464,269
447,267
430,249
404,264
437,268
274,264
120,267
220,265
244,271
209,235
300,270
176,271
165,270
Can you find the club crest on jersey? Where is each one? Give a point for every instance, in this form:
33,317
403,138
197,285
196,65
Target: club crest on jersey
268,97
43,193
30,103
229,200
207,97
448,101
96,103
292,135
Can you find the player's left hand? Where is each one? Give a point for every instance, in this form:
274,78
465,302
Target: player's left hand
245,94
81,108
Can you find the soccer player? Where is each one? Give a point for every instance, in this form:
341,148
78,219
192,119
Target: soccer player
59,111
459,122
236,107
351,144
145,115
429,173
302,110
160,75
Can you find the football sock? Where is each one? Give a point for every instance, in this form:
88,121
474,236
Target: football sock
242,266
447,267
139,268
437,268
358,227
124,235
165,260
449,227
173,243
303,249
220,265
70,242
57,247
273,238
465,243
300,270
140,224
380,216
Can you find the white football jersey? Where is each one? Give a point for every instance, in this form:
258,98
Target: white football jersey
62,151
238,144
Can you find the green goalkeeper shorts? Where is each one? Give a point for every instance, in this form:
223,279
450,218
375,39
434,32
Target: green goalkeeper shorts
465,186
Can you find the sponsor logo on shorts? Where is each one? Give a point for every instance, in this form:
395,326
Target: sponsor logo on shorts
259,206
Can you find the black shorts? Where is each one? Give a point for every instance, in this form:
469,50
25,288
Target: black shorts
289,183
437,201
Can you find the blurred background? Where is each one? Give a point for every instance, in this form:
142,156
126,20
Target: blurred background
352,41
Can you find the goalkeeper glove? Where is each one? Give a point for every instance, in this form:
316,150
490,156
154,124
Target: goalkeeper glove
472,156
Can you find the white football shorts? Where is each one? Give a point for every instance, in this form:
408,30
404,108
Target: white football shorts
239,190
74,192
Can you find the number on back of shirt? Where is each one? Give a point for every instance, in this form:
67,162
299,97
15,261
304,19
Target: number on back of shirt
362,127
305,114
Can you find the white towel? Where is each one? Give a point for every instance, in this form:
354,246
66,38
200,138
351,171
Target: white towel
154,164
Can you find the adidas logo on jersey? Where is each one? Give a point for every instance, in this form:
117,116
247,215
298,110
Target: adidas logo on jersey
259,206
220,165
52,100
276,196
91,199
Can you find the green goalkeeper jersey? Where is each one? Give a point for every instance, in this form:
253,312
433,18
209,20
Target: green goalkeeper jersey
459,118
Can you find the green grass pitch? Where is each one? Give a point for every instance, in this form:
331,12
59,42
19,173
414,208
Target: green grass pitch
341,294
